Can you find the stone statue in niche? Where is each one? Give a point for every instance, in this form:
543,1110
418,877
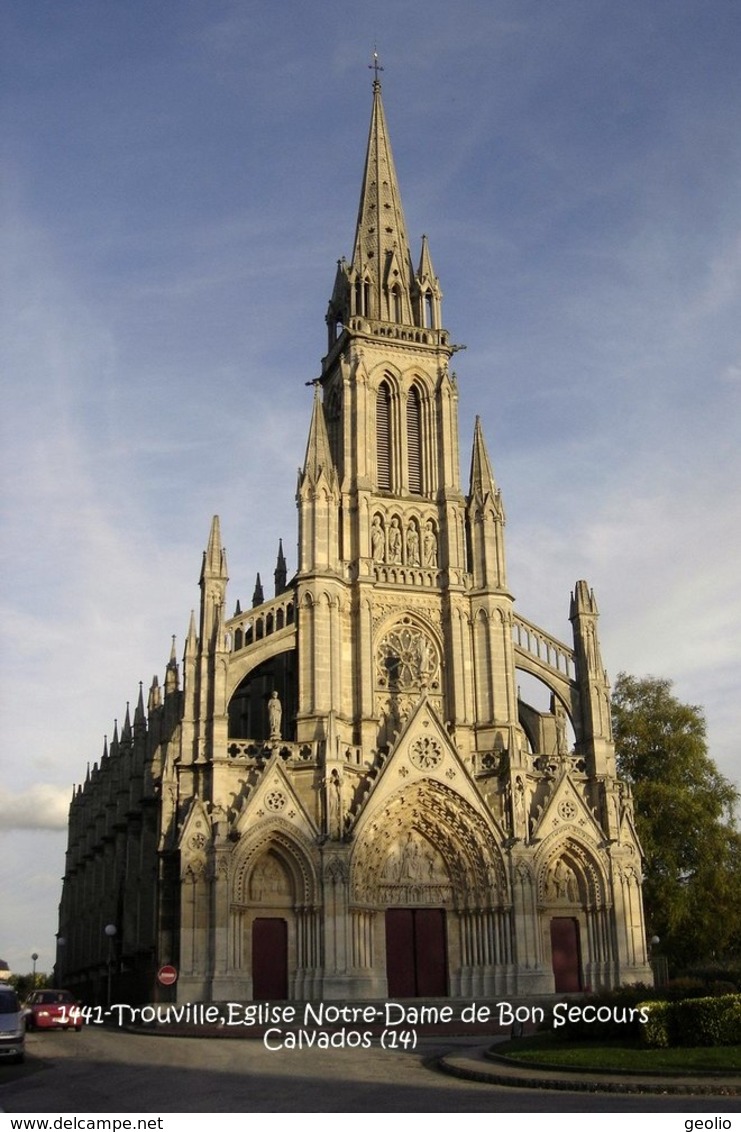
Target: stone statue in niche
410,860
561,745
412,544
378,540
267,880
521,804
413,862
561,883
394,543
334,804
275,715
392,867
429,545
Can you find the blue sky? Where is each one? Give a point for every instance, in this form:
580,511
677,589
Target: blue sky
181,178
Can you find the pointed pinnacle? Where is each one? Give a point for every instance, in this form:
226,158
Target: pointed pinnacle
482,477
318,455
583,601
191,641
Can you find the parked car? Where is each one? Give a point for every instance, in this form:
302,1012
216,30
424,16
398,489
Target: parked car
12,1028
52,1010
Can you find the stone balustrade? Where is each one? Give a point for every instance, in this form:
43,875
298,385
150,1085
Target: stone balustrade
539,644
261,621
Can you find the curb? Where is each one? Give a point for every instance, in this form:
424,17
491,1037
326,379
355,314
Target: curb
479,1065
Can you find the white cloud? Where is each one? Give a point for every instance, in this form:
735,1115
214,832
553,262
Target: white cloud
42,806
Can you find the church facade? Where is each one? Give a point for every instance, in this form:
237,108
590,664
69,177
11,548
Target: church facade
339,793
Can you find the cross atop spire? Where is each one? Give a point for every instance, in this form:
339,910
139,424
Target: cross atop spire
375,66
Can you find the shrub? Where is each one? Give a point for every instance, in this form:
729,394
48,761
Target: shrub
656,1031
694,1022
726,974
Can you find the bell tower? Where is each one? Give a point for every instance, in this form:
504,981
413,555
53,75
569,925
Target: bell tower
409,545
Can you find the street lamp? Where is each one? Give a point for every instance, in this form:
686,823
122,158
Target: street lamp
34,957
110,930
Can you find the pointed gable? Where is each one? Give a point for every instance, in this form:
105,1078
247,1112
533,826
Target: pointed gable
274,799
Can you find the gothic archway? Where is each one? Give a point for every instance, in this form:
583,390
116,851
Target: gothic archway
275,930
575,909
427,850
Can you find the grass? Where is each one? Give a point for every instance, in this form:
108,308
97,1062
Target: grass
547,1050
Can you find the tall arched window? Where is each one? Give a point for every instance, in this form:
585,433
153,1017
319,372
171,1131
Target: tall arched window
383,436
429,310
396,306
414,440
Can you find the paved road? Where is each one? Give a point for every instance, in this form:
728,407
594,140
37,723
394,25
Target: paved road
107,1071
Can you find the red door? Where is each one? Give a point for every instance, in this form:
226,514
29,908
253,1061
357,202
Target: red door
416,954
566,954
270,958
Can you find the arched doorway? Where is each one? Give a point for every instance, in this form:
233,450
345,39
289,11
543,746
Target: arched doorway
272,898
575,916
275,930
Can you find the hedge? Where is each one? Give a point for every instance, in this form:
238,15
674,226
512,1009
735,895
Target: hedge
693,1022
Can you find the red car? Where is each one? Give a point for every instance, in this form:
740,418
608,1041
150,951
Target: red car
52,1010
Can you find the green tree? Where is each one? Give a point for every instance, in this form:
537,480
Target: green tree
685,819
24,984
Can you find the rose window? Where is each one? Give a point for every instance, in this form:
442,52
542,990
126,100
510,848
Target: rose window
425,753
407,658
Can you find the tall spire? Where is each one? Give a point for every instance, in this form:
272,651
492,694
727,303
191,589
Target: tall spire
380,284
381,257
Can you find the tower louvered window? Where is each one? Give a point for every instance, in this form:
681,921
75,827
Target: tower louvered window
383,437
414,441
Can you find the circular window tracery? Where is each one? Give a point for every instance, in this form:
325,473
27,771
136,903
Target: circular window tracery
567,809
407,658
425,753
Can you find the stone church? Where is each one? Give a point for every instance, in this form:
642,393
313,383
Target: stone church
339,792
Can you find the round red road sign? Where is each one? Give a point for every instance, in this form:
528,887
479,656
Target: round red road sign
167,975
